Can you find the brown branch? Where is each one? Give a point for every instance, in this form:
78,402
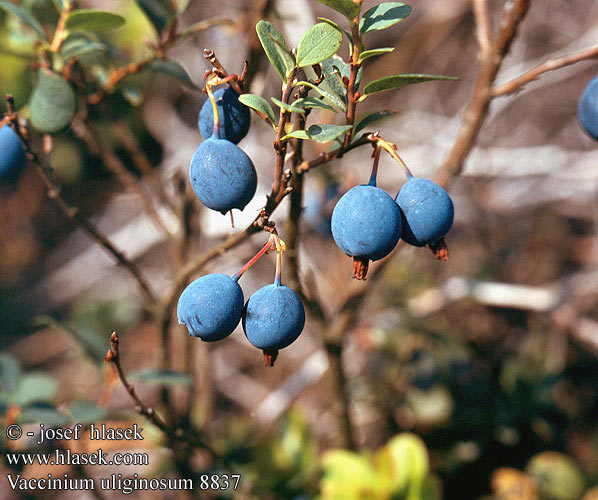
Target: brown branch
352,96
551,64
72,213
478,106
113,163
178,434
482,24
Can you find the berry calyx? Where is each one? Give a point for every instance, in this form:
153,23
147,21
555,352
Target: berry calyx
234,116
12,153
211,307
222,175
587,108
427,212
366,225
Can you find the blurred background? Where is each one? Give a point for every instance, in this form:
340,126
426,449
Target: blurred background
476,375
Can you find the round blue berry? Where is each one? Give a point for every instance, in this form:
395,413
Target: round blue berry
366,222
211,307
587,108
273,317
427,211
222,175
12,154
234,116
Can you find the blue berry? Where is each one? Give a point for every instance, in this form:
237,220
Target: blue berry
234,116
12,154
273,317
211,307
587,108
427,212
222,175
366,225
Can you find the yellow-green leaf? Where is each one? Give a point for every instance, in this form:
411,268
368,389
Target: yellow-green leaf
318,43
54,104
93,20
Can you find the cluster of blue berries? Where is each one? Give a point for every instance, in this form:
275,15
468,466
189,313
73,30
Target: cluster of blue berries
367,223
222,175
273,317
587,108
12,154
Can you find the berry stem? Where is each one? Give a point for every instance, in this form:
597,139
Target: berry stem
279,251
216,130
374,173
267,246
391,149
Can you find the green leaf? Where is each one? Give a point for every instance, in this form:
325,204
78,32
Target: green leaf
42,415
312,102
275,48
333,70
86,412
77,46
558,476
93,20
164,377
35,388
62,4
374,52
408,459
372,118
260,104
181,6
159,12
383,16
319,133
332,23
171,68
398,81
10,374
287,107
318,43
335,100
24,16
53,105
347,8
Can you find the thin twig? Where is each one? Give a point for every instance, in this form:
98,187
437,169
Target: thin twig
482,24
551,64
73,214
478,106
85,131
179,434
352,95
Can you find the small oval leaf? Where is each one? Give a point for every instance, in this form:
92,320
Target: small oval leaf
54,104
162,377
287,107
171,68
159,12
333,99
347,8
260,104
275,48
319,133
374,52
383,16
35,388
93,20
398,81
369,119
25,17
340,28
77,46
312,102
86,412
318,43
